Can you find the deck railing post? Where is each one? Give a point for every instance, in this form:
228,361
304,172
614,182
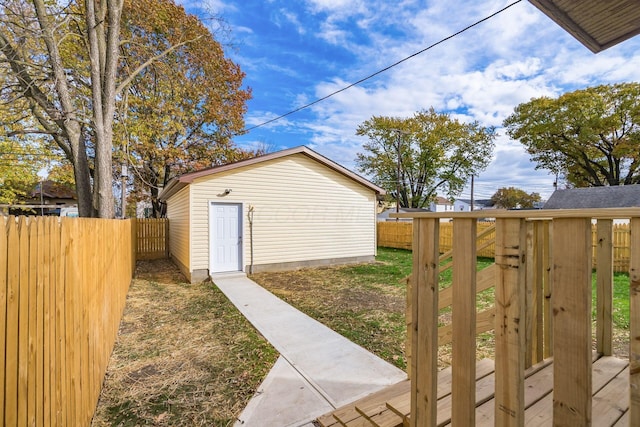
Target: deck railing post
510,319
572,376
424,346
547,279
634,320
604,287
534,296
463,393
539,276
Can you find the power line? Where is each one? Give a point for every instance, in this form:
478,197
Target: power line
379,71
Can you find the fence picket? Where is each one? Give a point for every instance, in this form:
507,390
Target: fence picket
23,321
3,312
13,311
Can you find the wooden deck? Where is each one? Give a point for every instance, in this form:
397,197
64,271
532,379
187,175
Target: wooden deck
391,407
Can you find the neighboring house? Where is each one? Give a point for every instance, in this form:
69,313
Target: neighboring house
144,209
617,196
49,197
386,214
442,204
464,205
283,210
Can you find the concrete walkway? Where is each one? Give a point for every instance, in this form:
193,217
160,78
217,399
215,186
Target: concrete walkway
318,369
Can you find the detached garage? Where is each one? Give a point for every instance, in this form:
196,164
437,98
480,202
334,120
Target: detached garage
283,210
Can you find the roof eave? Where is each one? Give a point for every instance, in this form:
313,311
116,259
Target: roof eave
172,188
176,184
594,40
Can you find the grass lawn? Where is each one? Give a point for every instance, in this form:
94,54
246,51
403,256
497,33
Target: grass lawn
366,303
184,355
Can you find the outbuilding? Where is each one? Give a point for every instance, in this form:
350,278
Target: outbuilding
284,210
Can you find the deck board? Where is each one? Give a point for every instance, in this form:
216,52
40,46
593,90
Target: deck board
391,407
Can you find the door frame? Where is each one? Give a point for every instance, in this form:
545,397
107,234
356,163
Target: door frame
212,204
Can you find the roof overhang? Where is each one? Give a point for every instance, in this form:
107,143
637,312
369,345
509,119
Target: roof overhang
178,183
595,23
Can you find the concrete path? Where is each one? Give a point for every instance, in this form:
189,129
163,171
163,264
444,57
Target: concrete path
318,369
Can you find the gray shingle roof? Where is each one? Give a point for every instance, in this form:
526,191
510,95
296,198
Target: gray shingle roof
621,196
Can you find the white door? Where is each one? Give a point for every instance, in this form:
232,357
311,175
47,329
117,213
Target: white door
225,247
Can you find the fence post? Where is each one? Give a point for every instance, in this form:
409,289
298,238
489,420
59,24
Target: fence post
134,243
166,237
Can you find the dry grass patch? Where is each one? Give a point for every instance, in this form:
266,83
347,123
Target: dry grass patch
365,303
184,355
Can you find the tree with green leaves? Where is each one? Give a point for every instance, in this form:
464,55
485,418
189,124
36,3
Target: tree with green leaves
19,165
86,73
514,198
590,136
418,157
71,98
180,113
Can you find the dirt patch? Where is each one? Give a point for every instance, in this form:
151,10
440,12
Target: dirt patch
184,355
368,311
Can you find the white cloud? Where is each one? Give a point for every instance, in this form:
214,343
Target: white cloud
208,6
290,18
482,74
337,7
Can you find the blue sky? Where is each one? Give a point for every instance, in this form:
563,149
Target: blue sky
294,52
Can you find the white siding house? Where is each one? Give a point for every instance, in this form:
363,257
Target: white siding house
283,210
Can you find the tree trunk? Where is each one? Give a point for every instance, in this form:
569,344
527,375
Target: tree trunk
81,172
103,54
70,124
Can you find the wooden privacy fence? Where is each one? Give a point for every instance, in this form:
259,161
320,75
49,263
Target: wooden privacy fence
63,285
399,234
542,277
392,234
152,238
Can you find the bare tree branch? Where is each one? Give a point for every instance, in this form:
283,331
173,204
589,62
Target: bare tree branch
141,68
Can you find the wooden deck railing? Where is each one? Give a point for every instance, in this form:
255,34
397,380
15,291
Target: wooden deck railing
399,235
543,298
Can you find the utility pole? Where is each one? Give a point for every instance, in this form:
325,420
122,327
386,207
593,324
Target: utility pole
398,176
472,178
41,197
123,184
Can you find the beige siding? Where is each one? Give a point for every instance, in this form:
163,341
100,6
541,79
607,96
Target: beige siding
178,212
302,211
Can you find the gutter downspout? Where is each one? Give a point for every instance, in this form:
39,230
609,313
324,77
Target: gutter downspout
250,216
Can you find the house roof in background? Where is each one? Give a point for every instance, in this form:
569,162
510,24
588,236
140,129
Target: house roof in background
595,23
443,201
176,184
389,211
620,196
53,190
487,203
